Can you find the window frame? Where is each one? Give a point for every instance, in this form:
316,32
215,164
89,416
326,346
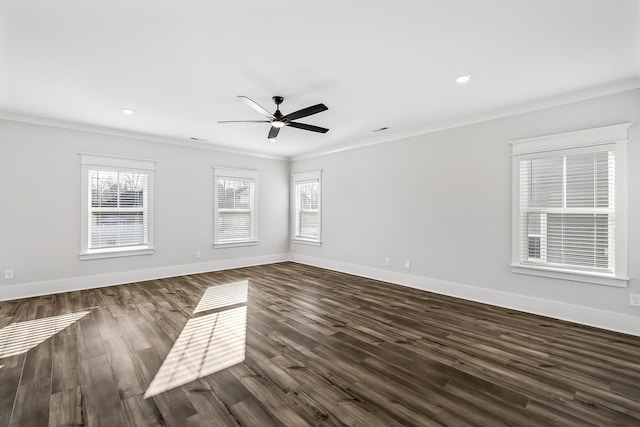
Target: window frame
612,138
301,178
120,164
241,174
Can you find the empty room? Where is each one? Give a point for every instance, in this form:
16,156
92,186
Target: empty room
357,213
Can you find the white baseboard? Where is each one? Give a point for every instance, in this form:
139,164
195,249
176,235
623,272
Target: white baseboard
573,313
34,289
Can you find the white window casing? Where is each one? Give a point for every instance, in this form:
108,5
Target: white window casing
569,206
116,206
235,221
306,197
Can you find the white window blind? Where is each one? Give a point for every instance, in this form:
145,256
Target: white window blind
119,209
235,207
569,217
567,205
307,209
116,206
306,221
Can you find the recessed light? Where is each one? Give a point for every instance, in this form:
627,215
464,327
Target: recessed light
463,78
128,111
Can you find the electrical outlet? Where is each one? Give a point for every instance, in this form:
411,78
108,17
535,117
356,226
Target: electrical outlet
197,254
8,274
634,299
407,263
387,261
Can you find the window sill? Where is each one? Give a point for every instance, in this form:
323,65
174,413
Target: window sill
115,253
599,279
309,242
235,244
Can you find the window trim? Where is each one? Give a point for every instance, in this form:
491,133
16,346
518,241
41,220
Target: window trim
588,140
297,178
241,174
119,163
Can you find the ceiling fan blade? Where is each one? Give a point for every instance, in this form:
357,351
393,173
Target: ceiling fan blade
244,121
273,132
308,127
253,104
314,109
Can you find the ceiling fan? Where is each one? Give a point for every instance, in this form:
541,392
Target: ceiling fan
278,120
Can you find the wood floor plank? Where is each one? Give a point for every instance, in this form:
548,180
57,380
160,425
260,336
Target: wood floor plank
65,363
66,408
122,367
208,405
173,405
136,339
100,393
88,338
142,412
10,374
250,413
106,324
273,399
34,391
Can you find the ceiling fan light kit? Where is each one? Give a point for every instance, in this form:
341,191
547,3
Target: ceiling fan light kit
278,120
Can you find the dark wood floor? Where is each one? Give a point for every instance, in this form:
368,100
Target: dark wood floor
320,348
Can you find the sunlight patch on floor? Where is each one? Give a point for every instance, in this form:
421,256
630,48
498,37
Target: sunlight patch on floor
20,337
208,343
223,296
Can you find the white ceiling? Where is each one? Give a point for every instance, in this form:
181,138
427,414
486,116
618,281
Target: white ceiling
181,64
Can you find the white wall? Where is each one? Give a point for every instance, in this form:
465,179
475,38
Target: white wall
443,201
40,210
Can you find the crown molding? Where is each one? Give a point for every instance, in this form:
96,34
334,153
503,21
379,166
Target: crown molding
82,127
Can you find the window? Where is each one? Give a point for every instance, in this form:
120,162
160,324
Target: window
116,206
235,207
306,199
569,208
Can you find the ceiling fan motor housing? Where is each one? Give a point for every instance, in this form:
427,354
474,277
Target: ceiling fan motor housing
279,120
278,100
